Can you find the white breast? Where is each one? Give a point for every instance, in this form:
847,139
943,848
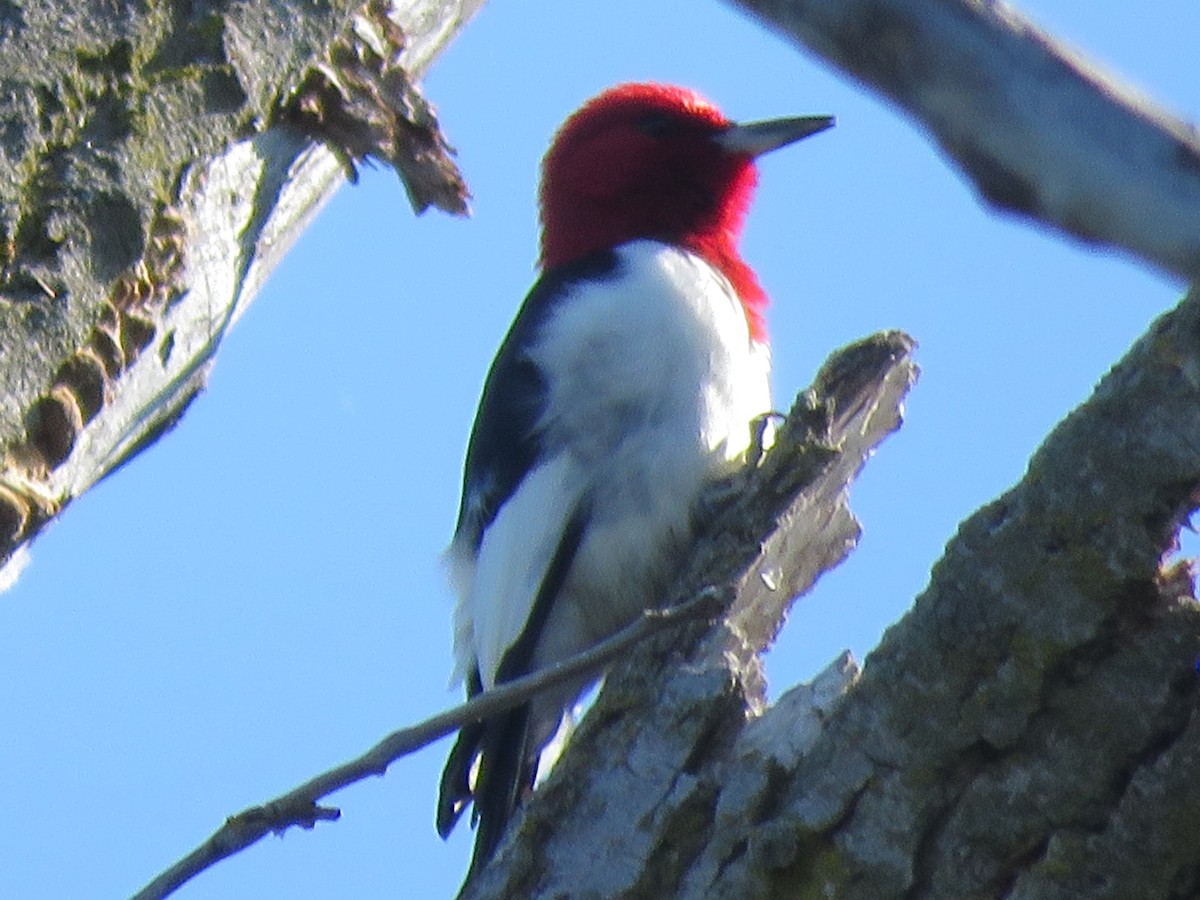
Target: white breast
652,382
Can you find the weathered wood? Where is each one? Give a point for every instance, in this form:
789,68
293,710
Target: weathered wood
155,169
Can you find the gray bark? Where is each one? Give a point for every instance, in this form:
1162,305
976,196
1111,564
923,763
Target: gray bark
154,168
1029,729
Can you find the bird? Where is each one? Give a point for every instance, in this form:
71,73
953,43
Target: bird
629,381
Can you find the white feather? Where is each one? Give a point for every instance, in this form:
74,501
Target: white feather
652,381
513,557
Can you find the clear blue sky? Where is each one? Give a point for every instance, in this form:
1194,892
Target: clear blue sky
259,597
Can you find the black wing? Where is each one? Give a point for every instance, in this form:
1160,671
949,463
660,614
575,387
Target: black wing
505,443
507,755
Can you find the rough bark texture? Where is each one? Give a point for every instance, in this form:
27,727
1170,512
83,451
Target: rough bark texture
1029,729
155,163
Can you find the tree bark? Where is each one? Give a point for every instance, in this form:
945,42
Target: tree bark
1029,729
156,167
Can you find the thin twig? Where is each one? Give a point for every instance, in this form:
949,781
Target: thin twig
299,806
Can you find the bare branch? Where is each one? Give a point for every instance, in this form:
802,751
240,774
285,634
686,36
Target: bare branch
1039,130
299,807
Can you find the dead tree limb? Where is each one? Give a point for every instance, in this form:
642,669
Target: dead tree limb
1038,130
300,807
157,167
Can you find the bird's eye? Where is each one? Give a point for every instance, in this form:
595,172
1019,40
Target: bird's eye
657,124
664,125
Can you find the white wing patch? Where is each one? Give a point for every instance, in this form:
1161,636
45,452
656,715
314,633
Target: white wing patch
516,551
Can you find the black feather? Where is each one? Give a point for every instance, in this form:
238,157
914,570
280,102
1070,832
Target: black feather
507,761
454,792
505,445
505,440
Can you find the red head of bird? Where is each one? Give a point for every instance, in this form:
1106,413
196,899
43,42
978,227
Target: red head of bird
659,162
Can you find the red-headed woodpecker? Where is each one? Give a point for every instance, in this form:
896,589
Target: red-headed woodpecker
628,382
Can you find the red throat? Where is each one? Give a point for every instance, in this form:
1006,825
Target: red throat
640,162
745,284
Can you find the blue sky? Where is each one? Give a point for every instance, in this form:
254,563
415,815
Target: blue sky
259,597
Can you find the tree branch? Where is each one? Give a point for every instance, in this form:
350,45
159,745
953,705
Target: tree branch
625,807
140,261
1039,130
299,807
1030,728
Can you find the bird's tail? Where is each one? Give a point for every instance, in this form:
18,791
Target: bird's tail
455,791
506,768
508,745
506,772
